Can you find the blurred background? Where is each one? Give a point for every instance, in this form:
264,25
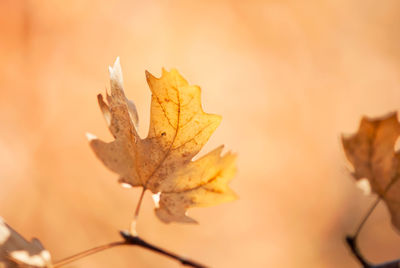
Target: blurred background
288,77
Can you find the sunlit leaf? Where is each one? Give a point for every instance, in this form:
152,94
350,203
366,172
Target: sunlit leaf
162,162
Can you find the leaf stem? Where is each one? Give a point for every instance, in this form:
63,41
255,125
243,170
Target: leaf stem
366,217
352,240
137,210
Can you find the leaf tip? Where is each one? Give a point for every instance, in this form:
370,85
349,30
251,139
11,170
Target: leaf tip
166,217
218,118
364,185
90,136
104,109
4,231
149,77
172,71
125,185
156,199
116,73
189,219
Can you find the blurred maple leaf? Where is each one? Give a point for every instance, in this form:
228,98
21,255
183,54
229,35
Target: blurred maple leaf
372,153
15,251
162,162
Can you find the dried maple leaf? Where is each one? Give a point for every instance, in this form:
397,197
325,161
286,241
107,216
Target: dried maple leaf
372,153
162,162
15,251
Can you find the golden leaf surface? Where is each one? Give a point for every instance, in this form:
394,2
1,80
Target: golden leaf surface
162,162
372,153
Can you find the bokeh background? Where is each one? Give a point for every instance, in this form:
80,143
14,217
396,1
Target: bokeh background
288,77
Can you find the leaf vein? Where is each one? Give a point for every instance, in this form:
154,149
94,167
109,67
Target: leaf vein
192,138
164,112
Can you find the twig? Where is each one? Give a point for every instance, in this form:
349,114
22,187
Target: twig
129,240
392,264
86,253
136,240
352,242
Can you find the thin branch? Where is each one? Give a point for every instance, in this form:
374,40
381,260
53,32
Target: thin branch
136,240
86,253
392,264
129,240
352,242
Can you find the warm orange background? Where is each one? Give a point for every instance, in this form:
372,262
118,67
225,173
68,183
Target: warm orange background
288,77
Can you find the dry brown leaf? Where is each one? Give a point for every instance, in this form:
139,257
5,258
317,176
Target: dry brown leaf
15,251
162,162
372,153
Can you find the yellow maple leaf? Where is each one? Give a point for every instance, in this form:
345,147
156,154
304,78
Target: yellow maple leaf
162,162
372,153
